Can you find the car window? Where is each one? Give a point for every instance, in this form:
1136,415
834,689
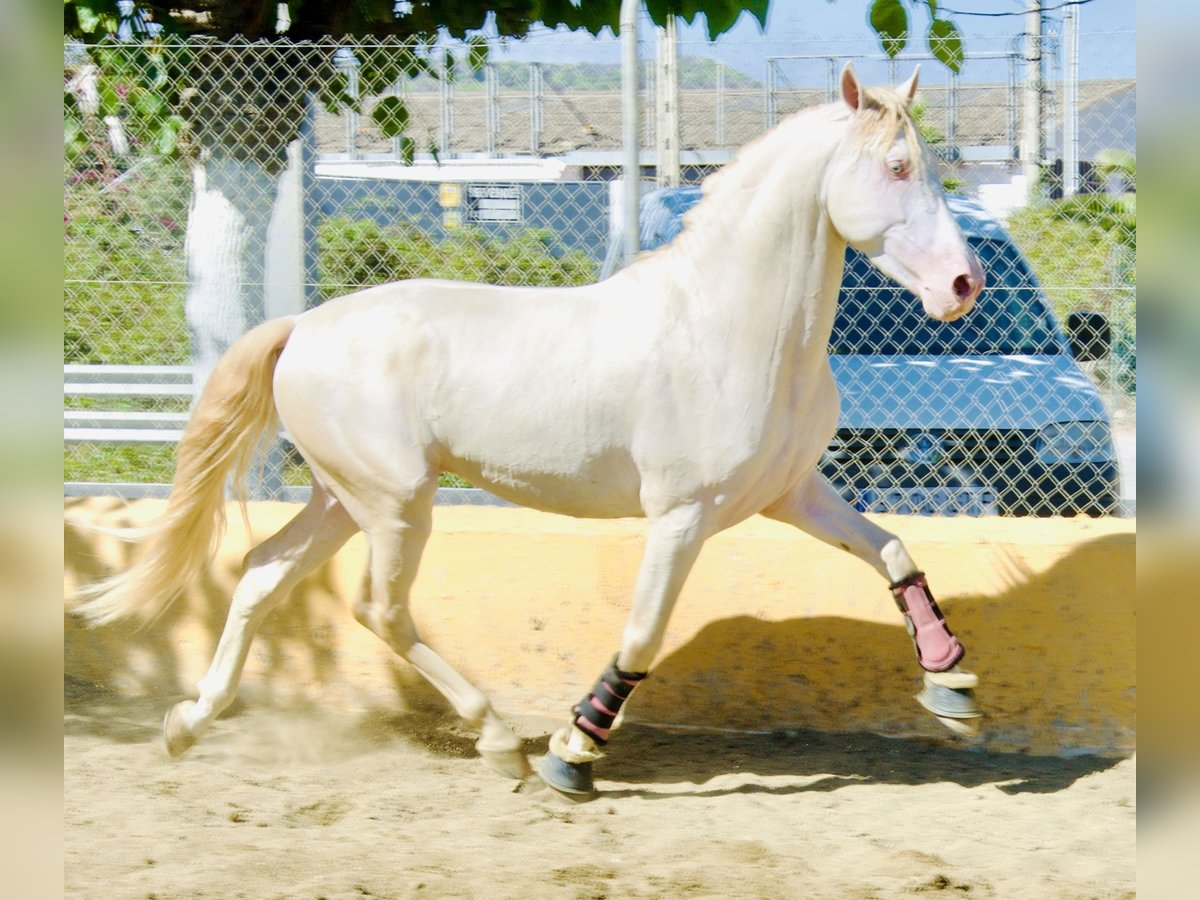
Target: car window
877,316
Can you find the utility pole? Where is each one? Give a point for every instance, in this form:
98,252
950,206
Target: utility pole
1032,144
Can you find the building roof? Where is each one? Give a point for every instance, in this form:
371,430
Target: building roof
988,116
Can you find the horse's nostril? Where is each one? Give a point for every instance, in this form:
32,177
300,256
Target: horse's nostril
963,285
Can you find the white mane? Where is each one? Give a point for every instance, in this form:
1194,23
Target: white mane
754,160
883,113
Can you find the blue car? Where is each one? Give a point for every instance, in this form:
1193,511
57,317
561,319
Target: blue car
987,415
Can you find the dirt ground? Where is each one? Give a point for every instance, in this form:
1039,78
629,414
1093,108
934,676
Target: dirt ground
311,803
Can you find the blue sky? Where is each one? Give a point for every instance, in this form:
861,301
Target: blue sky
808,26
793,19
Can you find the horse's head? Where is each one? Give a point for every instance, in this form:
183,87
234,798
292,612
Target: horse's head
883,196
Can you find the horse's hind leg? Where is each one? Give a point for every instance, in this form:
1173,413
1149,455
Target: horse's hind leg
816,507
397,539
272,569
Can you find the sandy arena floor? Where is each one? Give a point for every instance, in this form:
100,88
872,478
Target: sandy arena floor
310,804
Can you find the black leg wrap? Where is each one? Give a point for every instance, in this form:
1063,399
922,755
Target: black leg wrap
595,713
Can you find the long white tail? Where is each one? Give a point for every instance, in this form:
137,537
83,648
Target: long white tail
235,412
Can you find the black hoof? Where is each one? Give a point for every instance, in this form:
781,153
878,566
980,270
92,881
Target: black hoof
949,703
572,780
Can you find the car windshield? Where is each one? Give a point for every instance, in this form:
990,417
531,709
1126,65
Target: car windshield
877,316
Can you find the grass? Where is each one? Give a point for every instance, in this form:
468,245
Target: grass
155,464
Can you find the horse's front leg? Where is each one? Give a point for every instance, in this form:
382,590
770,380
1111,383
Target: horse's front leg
816,507
672,545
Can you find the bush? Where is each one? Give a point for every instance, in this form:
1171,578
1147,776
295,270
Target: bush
356,253
1082,249
124,275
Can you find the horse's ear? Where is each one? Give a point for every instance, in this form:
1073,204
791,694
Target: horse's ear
851,92
908,90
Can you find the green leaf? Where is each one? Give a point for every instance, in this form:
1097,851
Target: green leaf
945,43
477,54
148,104
932,4
596,15
408,150
335,94
156,75
381,67
758,9
110,100
74,139
86,18
391,115
168,135
91,20
1112,161
889,18
661,10
435,153
721,16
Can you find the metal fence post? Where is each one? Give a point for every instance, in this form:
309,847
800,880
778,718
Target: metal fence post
952,117
629,127
347,63
535,108
492,81
769,95
720,114
1031,144
667,107
445,104
1071,105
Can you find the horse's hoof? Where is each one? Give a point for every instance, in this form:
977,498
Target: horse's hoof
176,735
954,707
572,780
509,763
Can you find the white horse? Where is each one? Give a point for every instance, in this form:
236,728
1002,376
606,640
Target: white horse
692,388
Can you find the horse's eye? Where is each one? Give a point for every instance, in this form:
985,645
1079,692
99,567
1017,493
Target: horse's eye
898,167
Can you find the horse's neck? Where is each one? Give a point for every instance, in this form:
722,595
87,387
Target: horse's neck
764,264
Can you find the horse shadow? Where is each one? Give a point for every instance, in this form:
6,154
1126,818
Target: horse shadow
802,761
1055,652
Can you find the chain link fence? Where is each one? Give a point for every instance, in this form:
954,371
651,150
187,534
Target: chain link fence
209,185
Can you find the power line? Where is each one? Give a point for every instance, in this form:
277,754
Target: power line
1016,12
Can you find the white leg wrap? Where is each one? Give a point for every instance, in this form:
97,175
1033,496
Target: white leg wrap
572,746
957,678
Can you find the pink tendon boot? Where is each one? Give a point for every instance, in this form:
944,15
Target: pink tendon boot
937,647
